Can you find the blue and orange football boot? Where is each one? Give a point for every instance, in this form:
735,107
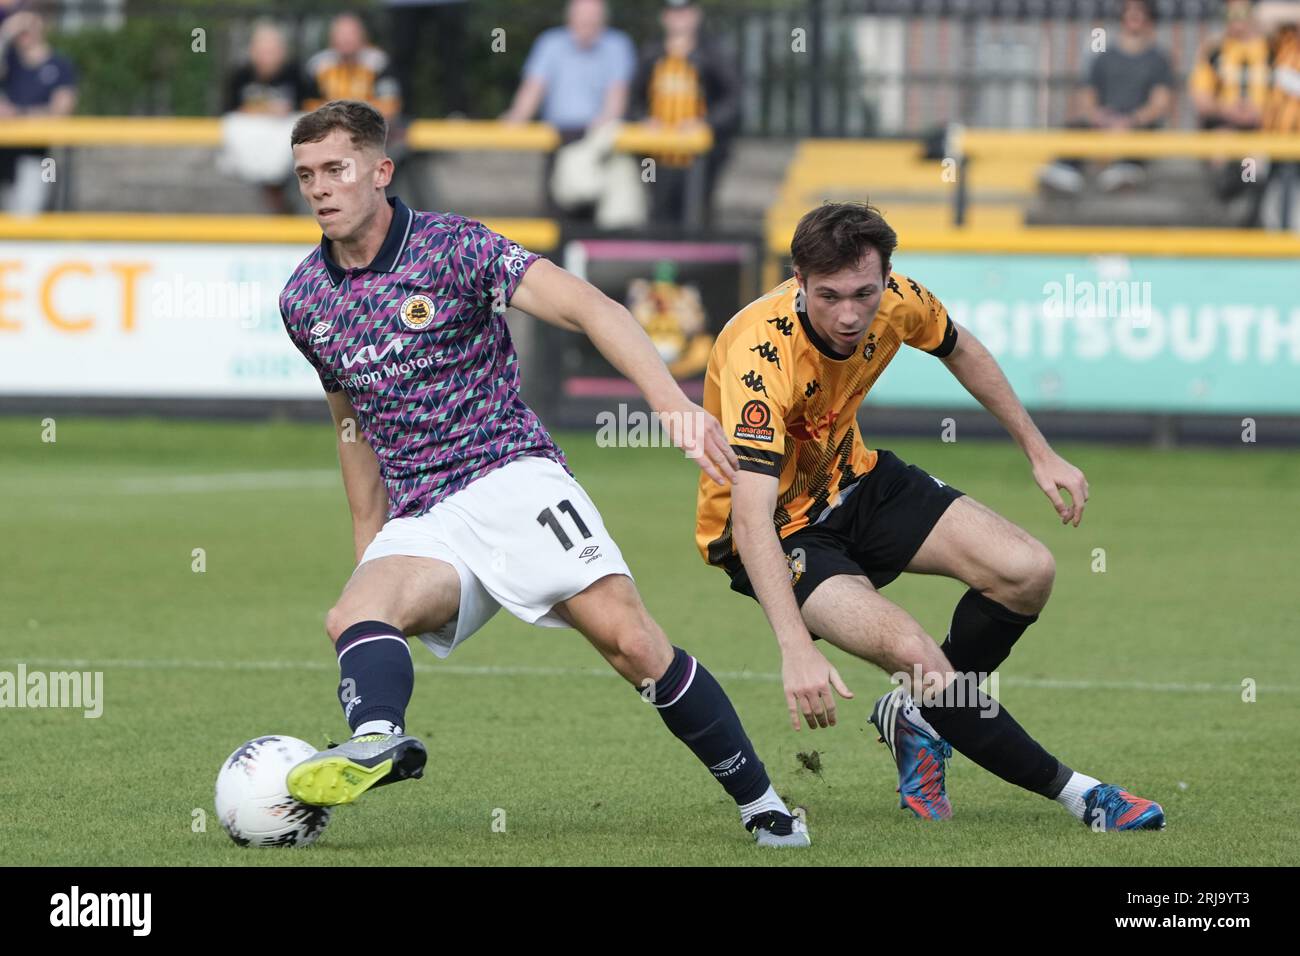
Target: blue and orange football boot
921,758
1112,808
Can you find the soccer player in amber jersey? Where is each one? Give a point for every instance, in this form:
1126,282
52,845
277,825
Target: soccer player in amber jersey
461,503
816,523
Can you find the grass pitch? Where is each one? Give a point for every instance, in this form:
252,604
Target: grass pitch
1134,674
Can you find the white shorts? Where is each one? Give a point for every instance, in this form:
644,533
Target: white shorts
524,537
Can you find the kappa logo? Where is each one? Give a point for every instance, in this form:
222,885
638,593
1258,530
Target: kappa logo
371,353
768,351
416,312
869,349
812,388
754,381
783,325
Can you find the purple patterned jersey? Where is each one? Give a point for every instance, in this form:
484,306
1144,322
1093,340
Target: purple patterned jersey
418,341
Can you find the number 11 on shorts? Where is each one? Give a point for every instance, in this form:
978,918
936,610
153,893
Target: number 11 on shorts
548,518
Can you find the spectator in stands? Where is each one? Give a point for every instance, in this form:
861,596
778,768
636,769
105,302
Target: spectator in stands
9,6
1280,207
1129,87
421,29
351,69
683,82
1282,107
1229,85
268,84
37,82
577,75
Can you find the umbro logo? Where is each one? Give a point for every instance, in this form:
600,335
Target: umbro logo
729,766
319,329
589,553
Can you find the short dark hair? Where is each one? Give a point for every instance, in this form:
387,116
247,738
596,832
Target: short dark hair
836,235
365,124
1147,5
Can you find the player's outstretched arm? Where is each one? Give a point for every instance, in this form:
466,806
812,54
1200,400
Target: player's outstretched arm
807,675
562,299
367,497
977,370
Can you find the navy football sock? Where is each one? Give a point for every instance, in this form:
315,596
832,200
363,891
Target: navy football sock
982,633
376,675
697,711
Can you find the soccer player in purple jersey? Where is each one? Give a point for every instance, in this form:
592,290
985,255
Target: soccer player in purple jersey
461,503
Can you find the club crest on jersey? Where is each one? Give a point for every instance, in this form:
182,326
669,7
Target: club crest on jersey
869,349
416,312
797,559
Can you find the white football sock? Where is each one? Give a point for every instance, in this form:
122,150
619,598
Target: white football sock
377,727
1072,796
768,801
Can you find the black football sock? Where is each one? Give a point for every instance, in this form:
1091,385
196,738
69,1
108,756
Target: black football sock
983,730
376,675
697,711
982,633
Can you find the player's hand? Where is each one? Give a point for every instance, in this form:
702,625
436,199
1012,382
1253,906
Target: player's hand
808,677
699,435
1052,472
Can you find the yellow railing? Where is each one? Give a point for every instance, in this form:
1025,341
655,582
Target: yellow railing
539,234
988,146
423,135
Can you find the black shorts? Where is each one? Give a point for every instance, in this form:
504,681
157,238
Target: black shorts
875,530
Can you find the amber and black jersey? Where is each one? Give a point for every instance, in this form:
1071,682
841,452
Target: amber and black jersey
1231,70
1282,111
368,77
788,403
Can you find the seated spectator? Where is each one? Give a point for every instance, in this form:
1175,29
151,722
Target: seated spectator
683,82
37,82
1129,87
577,77
268,85
351,69
270,82
1229,85
1281,112
1280,208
